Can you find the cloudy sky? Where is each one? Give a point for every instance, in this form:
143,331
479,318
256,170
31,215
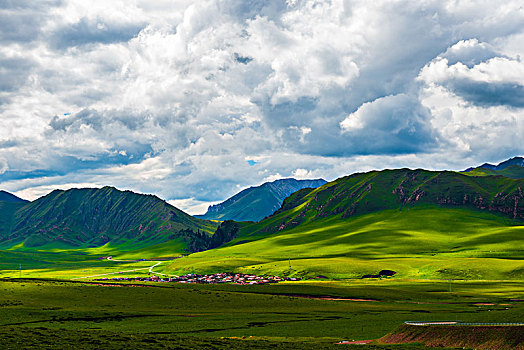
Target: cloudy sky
195,100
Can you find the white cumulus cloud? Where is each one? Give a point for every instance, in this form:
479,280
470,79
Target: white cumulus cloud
176,97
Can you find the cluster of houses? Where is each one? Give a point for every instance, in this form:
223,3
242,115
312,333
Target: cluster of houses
224,277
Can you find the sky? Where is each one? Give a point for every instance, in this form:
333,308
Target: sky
195,100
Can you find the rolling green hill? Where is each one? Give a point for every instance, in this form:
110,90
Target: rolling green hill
420,242
416,222
255,203
94,217
374,191
421,224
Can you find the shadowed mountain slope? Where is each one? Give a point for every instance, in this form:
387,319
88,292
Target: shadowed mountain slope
94,217
255,203
8,197
503,165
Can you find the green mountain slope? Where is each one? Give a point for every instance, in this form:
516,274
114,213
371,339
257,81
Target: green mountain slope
420,242
9,204
416,222
395,189
7,211
255,203
93,217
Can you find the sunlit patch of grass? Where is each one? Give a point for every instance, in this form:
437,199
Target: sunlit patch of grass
417,243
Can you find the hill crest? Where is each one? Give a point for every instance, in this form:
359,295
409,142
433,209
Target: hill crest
9,197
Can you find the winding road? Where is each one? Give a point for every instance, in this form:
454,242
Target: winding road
150,268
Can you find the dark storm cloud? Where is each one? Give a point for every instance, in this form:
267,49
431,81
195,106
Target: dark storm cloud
250,9
242,59
287,113
396,124
88,31
487,94
115,127
60,165
85,117
469,53
478,74
8,143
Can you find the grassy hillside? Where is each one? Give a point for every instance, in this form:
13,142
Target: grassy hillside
7,211
416,222
374,191
421,224
94,217
255,203
422,242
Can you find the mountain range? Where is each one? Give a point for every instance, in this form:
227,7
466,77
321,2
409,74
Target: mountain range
93,217
255,203
513,168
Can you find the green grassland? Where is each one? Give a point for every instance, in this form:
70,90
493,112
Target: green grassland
59,313
427,243
64,265
478,337
422,242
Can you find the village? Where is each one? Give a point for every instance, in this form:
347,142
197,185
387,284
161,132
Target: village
223,277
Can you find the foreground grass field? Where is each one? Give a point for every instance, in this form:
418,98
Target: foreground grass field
207,316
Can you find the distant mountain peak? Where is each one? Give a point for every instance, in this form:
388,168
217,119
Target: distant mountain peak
257,202
502,165
512,161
